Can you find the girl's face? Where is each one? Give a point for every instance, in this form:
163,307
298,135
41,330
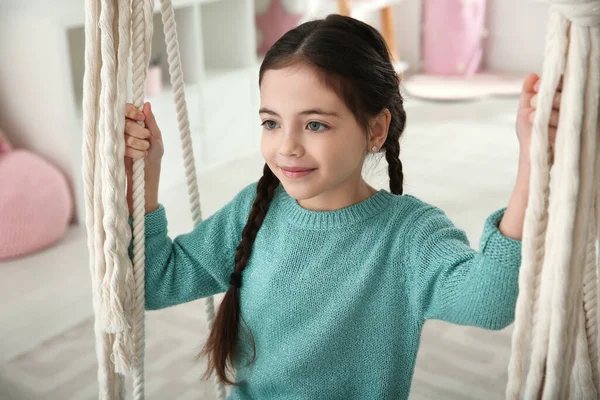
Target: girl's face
311,140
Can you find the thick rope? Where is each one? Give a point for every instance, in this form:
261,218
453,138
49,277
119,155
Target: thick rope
90,172
558,282
567,280
114,315
118,282
536,217
583,280
105,91
123,346
141,48
590,289
174,60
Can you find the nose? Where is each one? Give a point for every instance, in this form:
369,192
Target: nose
291,144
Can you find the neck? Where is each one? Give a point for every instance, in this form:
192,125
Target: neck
340,196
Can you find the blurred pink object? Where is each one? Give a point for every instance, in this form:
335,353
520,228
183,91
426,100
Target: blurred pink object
274,23
452,36
154,81
35,203
4,145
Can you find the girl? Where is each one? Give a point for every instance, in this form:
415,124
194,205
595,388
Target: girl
328,281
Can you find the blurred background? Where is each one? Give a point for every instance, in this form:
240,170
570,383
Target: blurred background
462,63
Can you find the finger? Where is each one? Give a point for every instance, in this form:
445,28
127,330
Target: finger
554,119
532,116
555,101
132,112
128,163
558,87
137,144
151,121
135,154
132,128
552,142
552,136
528,90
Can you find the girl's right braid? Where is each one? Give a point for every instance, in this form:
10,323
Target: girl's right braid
221,345
265,190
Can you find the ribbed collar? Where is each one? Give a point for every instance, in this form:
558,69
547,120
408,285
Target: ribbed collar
333,219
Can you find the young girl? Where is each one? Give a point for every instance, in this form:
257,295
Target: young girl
328,281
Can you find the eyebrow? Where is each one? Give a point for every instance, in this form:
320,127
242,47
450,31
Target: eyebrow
312,111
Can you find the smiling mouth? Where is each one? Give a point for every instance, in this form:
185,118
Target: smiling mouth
295,172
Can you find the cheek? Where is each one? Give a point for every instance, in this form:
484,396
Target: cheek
344,152
266,146
268,149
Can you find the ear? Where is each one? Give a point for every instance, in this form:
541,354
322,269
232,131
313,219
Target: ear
378,129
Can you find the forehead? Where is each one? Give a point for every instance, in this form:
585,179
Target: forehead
296,86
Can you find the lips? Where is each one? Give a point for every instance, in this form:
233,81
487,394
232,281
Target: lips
296,169
296,172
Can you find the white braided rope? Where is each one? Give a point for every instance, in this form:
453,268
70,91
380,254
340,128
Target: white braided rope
102,27
590,288
111,309
113,314
141,48
173,56
105,90
536,217
90,170
118,283
557,235
123,346
582,291
582,382
567,287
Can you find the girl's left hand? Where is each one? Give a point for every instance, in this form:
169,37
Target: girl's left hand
514,217
526,115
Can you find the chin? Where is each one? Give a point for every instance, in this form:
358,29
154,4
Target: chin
301,190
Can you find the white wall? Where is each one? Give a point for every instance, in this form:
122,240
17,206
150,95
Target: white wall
517,33
36,110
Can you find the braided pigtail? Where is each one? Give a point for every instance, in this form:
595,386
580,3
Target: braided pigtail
392,145
220,347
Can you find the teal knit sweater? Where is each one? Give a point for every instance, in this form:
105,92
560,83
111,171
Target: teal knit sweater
336,300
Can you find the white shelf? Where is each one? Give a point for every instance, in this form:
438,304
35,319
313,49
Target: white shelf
182,3
217,38
223,110
359,8
71,13
364,6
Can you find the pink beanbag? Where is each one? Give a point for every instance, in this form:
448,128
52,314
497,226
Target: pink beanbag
453,32
35,202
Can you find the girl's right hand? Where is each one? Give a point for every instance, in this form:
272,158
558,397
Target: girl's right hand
143,142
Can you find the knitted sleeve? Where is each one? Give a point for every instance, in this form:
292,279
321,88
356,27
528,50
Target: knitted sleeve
196,264
453,282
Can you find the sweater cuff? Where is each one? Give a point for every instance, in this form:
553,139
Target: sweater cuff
500,248
154,222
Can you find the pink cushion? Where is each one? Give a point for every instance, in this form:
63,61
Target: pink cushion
453,32
35,203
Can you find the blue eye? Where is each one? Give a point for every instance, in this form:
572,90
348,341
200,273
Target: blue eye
316,126
270,124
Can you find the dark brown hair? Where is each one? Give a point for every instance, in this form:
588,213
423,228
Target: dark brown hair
355,62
